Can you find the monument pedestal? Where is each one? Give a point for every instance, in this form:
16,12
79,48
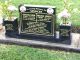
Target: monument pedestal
65,31
11,26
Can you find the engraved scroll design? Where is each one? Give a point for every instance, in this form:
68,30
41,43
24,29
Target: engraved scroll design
37,27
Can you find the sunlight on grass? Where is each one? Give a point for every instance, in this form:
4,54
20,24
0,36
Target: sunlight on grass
14,52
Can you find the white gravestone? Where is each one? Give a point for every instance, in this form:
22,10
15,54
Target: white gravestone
75,40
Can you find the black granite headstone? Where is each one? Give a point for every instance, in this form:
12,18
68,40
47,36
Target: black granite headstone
38,21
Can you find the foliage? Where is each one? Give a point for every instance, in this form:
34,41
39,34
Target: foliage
73,10
5,11
64,15
4,5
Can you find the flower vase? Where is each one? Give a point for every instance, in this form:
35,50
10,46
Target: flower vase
11,26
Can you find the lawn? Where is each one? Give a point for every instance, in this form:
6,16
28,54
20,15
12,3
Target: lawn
75,16
14,52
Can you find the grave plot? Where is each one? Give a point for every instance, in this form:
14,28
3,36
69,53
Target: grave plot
37,22
38,25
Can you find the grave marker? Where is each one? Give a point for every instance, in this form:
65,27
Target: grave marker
37,20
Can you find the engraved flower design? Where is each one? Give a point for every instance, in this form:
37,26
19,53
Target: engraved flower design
50,11
22,8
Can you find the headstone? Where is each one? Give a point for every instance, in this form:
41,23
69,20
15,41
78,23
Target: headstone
75,37
37,20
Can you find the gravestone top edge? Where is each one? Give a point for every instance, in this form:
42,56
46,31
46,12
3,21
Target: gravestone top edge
42,6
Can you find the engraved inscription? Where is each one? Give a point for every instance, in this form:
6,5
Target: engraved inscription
37,27
28,16
37,17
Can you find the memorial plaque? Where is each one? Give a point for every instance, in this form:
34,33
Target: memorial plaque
37,20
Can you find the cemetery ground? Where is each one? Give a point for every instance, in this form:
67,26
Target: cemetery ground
15,52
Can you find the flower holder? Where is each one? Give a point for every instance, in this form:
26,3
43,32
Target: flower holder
11,26
65,31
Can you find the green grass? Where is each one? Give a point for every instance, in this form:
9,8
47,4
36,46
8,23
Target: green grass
14,52
75,17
